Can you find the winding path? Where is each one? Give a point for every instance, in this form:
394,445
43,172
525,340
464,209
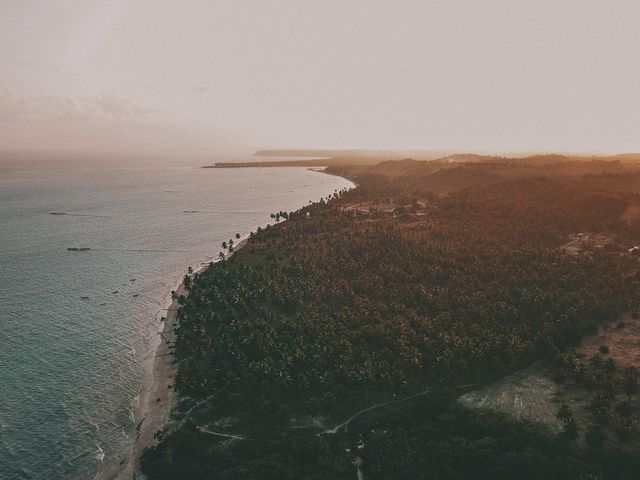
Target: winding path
392,402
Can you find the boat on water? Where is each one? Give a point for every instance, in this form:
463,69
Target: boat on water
78,249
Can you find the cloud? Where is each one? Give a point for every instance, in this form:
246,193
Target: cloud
19,108
199,89
102,123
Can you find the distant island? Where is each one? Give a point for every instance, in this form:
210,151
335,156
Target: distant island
351,153
467,317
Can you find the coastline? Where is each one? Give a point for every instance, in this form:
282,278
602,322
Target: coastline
158,400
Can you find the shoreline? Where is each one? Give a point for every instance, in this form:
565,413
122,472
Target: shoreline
158,400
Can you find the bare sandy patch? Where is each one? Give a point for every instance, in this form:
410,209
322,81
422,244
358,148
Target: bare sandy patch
528,394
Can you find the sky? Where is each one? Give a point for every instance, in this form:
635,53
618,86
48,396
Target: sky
484,76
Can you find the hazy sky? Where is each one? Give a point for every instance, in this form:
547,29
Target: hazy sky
491,75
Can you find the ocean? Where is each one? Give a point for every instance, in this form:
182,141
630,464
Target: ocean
78,329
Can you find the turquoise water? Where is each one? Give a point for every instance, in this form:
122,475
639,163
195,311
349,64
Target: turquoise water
78,329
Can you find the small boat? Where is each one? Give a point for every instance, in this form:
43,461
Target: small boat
78,249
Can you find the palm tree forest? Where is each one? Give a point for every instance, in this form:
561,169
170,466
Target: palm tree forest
337,342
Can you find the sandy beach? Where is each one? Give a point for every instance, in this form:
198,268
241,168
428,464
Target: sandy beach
158,400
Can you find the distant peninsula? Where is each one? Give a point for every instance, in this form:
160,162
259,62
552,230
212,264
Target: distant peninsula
343,158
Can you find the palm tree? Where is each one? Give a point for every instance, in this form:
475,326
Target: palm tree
565,415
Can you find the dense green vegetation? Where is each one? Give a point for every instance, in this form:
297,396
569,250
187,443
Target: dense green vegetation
612,403
426,276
